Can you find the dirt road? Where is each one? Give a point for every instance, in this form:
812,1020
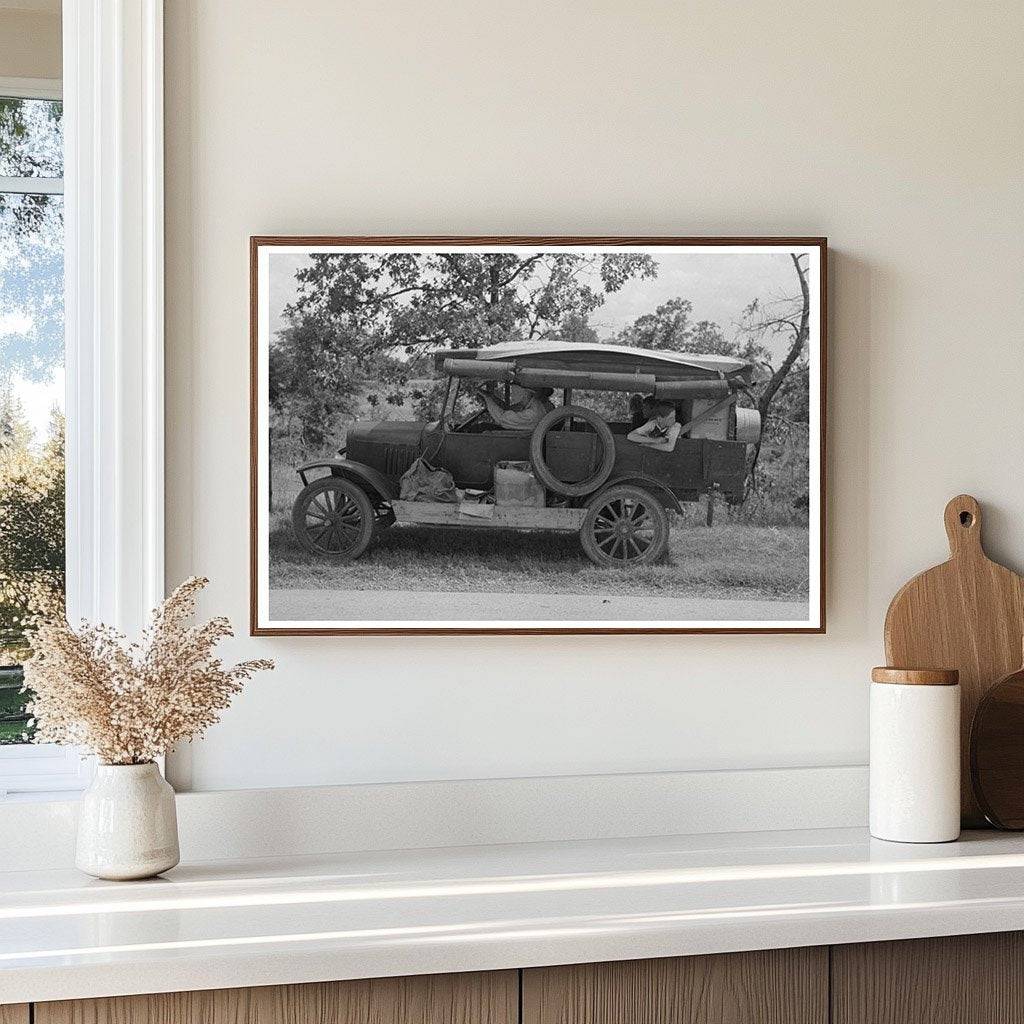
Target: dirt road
431,606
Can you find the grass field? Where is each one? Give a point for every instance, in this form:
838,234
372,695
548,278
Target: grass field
732,560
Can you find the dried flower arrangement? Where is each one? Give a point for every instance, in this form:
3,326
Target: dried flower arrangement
129,703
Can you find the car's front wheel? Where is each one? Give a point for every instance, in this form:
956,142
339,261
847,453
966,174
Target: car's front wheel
333,517
625,526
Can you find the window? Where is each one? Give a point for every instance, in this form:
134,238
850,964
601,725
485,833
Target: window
31,412
91,171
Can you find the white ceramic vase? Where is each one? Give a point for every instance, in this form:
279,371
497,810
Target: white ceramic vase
127,825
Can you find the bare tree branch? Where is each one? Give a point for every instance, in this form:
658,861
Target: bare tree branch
799,324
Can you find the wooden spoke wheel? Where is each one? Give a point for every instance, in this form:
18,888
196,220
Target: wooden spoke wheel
333,517
624,526
606,442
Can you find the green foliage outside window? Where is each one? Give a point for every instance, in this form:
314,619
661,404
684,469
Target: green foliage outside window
31,355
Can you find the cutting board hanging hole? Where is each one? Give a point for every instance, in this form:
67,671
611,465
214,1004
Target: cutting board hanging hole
963,525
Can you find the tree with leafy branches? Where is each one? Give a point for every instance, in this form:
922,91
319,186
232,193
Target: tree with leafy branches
31,522
31,240
671,328
783,398
30,146
361,321
31,346
31,548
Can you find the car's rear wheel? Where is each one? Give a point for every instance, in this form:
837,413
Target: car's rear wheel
606,441
625,526
333,517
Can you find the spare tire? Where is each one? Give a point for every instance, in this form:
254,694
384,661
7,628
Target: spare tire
540,467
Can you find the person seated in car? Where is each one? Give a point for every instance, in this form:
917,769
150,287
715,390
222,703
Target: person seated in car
641,409
525,408
661,431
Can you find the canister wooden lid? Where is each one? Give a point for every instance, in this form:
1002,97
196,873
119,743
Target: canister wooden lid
916,676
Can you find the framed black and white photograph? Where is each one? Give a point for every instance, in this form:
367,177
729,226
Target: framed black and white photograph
537,435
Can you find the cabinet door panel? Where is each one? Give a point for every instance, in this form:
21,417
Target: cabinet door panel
482,998
777,986
960,979
14,1013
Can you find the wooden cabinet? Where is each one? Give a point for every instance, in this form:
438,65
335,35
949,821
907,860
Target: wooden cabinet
962,979
491,998
970,979
776,986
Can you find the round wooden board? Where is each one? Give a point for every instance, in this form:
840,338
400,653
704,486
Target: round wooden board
997,752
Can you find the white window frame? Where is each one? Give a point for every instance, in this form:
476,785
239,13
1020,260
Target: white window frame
114,326
32,88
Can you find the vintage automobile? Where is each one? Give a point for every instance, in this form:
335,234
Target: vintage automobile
614,493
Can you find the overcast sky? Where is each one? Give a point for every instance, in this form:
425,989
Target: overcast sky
719,285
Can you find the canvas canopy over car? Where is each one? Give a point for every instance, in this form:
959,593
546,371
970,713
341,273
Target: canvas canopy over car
664,374
593,478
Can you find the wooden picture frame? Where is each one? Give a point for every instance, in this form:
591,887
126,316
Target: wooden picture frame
814,321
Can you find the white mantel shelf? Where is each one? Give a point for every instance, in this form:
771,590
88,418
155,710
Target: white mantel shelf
263,922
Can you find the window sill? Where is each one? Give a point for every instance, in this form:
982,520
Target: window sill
42,771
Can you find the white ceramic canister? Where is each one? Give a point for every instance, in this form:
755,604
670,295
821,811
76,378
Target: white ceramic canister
915,755
127,825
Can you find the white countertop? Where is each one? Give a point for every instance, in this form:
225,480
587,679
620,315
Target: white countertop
261,922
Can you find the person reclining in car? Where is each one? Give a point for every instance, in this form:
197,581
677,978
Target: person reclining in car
661,431
525,409
641,409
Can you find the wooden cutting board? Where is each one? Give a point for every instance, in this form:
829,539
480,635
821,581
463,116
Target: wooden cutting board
967,614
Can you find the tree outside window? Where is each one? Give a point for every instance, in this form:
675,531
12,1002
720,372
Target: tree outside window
31,386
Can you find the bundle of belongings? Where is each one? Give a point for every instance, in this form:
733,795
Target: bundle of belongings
422,482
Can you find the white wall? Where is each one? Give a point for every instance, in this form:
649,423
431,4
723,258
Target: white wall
895,129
